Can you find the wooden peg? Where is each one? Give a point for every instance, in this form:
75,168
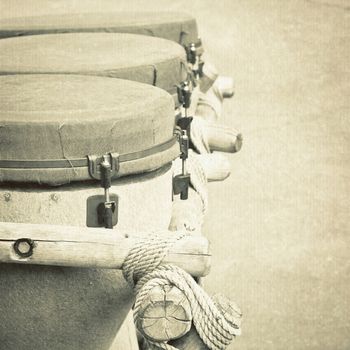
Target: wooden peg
192,341
165,314
92,247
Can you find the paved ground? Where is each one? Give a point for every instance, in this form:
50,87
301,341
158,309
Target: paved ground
279,225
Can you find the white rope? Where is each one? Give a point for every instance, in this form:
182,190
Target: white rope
143,271
198,177
198,136
212,99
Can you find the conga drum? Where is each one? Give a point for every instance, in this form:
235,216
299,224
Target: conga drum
18,18
148,60
175,26
54,129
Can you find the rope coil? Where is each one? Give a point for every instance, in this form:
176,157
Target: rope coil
143,272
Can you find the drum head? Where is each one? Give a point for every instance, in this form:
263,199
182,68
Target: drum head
174,26
149,60
49,124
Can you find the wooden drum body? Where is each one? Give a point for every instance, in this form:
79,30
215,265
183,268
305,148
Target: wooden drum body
178,27
56,308
148,60
175,26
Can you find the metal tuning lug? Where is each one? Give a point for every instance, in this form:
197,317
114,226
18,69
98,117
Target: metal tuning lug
106,181
185,125
191,51
184,93
181,182
102,211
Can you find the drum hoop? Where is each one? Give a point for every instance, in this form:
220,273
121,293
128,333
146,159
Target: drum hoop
83,162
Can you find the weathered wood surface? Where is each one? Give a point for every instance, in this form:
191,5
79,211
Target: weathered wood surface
215,165
165,314
208,78
226,86
192,341
210,105
187,214
93,247
222,138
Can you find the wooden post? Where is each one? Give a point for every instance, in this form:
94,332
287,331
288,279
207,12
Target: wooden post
209,105
187,214
208,78
208,136
215,165
222,138
192,341
91,247
165,314
225,85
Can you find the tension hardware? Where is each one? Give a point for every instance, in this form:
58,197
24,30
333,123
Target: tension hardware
194,52
24,247
103,168
94,163
181,182
191,51
106,180
184,94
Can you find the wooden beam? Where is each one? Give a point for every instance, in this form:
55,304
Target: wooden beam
91,247
192,341
165,314
222,138
187,214
208,78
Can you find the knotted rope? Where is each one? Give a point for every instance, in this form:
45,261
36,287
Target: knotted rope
143,271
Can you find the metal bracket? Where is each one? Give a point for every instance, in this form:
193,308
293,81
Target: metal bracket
181,184
194,51
24,247
184,93
96,210
185,124
105,211
95,165
191,51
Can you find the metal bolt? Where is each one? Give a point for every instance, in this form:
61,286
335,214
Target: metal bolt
7,196
54,197
24,247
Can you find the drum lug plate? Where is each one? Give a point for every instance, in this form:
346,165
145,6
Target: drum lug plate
95,210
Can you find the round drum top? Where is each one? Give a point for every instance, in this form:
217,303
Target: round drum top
68,117
148,60
175,26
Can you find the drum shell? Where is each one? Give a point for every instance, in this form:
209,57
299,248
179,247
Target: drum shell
58,308
144,59
175,26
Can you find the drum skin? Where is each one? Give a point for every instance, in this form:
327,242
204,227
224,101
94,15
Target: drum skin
63,308
45,117
58,308
144,59
175,26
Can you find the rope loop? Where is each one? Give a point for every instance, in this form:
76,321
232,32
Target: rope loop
143,271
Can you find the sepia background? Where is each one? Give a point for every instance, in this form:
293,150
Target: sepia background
279,225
